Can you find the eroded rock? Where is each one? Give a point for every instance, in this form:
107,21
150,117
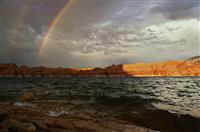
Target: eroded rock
16,126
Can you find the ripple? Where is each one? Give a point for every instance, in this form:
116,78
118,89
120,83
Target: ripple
180,95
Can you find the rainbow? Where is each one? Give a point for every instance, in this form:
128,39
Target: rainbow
52,25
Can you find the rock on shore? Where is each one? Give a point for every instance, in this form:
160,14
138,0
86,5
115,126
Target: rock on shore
28,119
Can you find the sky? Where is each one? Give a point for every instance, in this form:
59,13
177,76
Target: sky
93,33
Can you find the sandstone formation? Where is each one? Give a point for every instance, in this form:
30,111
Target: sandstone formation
189,67
17,126
8,70
36,119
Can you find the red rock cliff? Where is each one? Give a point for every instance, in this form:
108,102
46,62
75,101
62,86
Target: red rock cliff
189,67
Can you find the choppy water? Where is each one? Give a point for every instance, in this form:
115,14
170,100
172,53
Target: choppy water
115,96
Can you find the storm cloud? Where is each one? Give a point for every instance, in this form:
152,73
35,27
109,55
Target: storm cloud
98,33
178,9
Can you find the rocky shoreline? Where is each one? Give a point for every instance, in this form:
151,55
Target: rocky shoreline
38,119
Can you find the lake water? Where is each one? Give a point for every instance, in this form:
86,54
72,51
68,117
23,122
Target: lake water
126,98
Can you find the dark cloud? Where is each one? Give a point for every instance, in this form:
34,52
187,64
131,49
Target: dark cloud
22,24
37,13
178,9
22,45
97,32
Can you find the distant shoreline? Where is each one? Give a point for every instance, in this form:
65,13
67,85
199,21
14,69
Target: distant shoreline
110,76
189,67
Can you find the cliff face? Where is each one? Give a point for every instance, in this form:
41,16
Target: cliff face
8,70
153,69
13,70
189,67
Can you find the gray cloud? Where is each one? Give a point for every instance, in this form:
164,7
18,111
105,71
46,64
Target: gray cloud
99,33
22,45
178,9
37,13
159,41
103,46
